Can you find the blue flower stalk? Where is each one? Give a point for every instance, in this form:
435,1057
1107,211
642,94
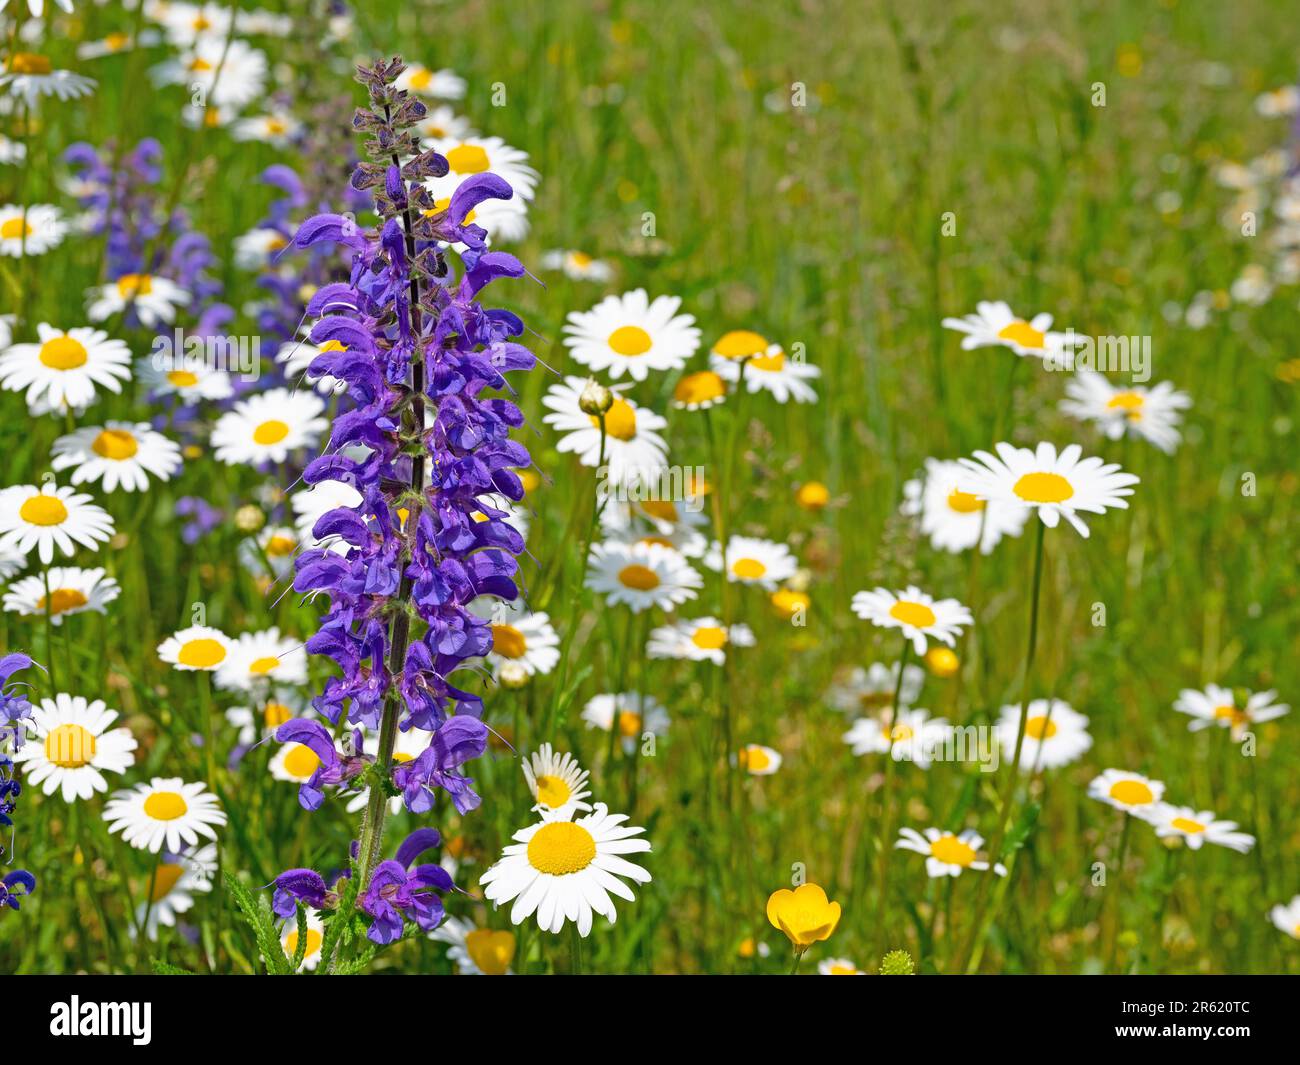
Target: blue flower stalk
15,714
427,445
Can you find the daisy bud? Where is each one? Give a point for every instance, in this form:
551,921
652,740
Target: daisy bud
942,661
249,519
596,399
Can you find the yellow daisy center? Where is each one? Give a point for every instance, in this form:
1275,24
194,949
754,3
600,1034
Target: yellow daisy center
202,653
314,940
129,285
276,126
918,615
70,746
580,259
1038,728
788,603
1129,402
264,665
62,600
278,546
63,353
15,228
843,970
641,578
508,641
709,637
44,510
116,444
1043,488
420,78
629,722
748,569
165,806
812,496
198,65
663,509
740,344
630,340
964,502
491,951
952,851
182,378
270,432
1131,793
899,733
115,42
468,159
1230,714
552,791
561,848
301,761
165,878
1184,824
755,759
276,714
773,363
1024,334
620,420
29,63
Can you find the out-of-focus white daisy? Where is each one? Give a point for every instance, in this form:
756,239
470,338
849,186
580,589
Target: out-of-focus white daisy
186,23
71,591
1278,102
1253,286
772,371
750,560
858,691
476,951
1130,792
467,156
641,576
1287,918
294,763
995,325
74,747
1197,827
838,967
37,7
441,122
224,73
296,355
439,84
1055,734
1150,413
312,503
632,713
277,130
632,334
171,887
256,249
947,854
919,615
558,783
48,516
116,44
315,940
164,811
65,367
32,77
11,561
954,520
910,736
526,639
258,659
152,299
1216,706
268,426
275,546
199,647
261,722
186,376
117,454
578,266
757,760
566,870
503,220
635,452
698,640
680,525
31,230
1055,485
12,152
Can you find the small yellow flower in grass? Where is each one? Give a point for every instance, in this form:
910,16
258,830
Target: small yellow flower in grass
943,662
812,496
790,604
805,915
199,647
750,947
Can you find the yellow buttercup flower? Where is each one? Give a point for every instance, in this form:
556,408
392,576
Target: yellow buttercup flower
942,661
805,915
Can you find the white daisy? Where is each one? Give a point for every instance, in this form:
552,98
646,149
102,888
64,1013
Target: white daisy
1055,485
857,691
312,503
164,811
558,783
750,560
187,376
566,870
994,325
277,130
294,763
838,967
634,712
12,152
171,887
11,561
641,576
757,760
503,220
275,546
526,639
152,299
467,156
635,453
48,516
257,249
442,123
117,453
258,659
578,266
186,23
679,525
916,736
74,747
1287,918
698,640
268,426
1197,827
200,647
222,72
315,940
30,77
771,371
296,355
31,230
439,84
65,368
1055,734
1218,706
632,334
476,951
918,615
71,591
1278,102
947,854
261,723
954,520
116,44
1150,413
1130,792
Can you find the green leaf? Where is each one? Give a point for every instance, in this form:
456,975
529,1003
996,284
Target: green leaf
300,951
162,968
260,920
